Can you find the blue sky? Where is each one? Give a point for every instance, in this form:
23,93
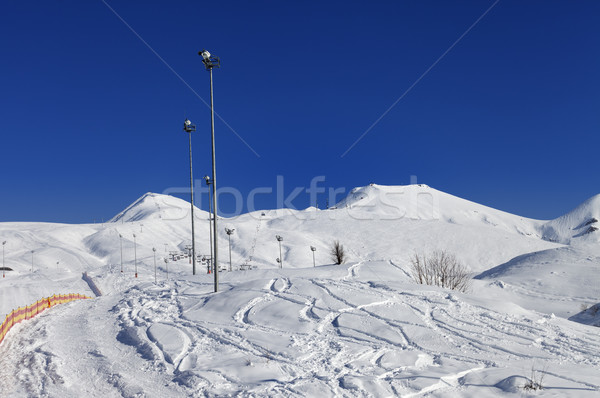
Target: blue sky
91,118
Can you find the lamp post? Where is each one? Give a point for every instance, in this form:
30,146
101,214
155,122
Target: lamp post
210,229
210,62
121,242
167,267
57,265
135,254
3,266
154,251
188,127
279,239
229,232
32,260
313,249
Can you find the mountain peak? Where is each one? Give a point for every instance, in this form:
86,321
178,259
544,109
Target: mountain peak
152,206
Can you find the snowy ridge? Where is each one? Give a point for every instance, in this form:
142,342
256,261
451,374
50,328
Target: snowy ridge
582,222
421,202
152,206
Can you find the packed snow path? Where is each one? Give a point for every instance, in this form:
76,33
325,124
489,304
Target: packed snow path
357,330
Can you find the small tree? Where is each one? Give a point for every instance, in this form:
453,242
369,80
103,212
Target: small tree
442,269
338,254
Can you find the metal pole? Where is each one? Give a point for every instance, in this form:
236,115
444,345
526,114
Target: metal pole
121,240
192,205
214,184
154,251
32,261
135,254
3,266
280,256
314,263
167,266
210,231
229,251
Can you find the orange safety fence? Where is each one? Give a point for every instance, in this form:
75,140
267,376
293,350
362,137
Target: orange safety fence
28,312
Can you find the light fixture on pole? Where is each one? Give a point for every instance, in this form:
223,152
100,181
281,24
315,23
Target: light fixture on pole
313,249
188,127
121,241
154,251
3,265
135,254
210,61
279,239
229,232
210,228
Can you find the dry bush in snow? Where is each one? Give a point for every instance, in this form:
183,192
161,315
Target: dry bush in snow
440,268
338,254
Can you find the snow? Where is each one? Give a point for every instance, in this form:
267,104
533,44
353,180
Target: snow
580,224
363,328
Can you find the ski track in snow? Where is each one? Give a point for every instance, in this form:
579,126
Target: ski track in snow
347,337
357,330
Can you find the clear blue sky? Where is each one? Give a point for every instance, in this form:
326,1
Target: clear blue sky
91,118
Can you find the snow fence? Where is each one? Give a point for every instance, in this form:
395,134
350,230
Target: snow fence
28,312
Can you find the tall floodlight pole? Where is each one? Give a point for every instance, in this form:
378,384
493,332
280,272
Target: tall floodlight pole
313,249
188,127
229,232
154,251
3,266
135,254
210,229
279,239
167,267
121,241
210,62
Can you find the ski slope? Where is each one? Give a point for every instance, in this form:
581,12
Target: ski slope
359,329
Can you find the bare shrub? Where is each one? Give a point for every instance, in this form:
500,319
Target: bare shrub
338,254
440,268
536,381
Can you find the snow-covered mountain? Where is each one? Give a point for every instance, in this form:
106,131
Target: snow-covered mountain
153,206
420,202
360,329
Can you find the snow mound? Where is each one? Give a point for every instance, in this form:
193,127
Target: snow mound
581,224
589,316
421,202
153,206
541,280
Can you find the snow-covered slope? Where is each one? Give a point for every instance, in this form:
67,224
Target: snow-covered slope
557,280
153,206
361,329
420,202
580,224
